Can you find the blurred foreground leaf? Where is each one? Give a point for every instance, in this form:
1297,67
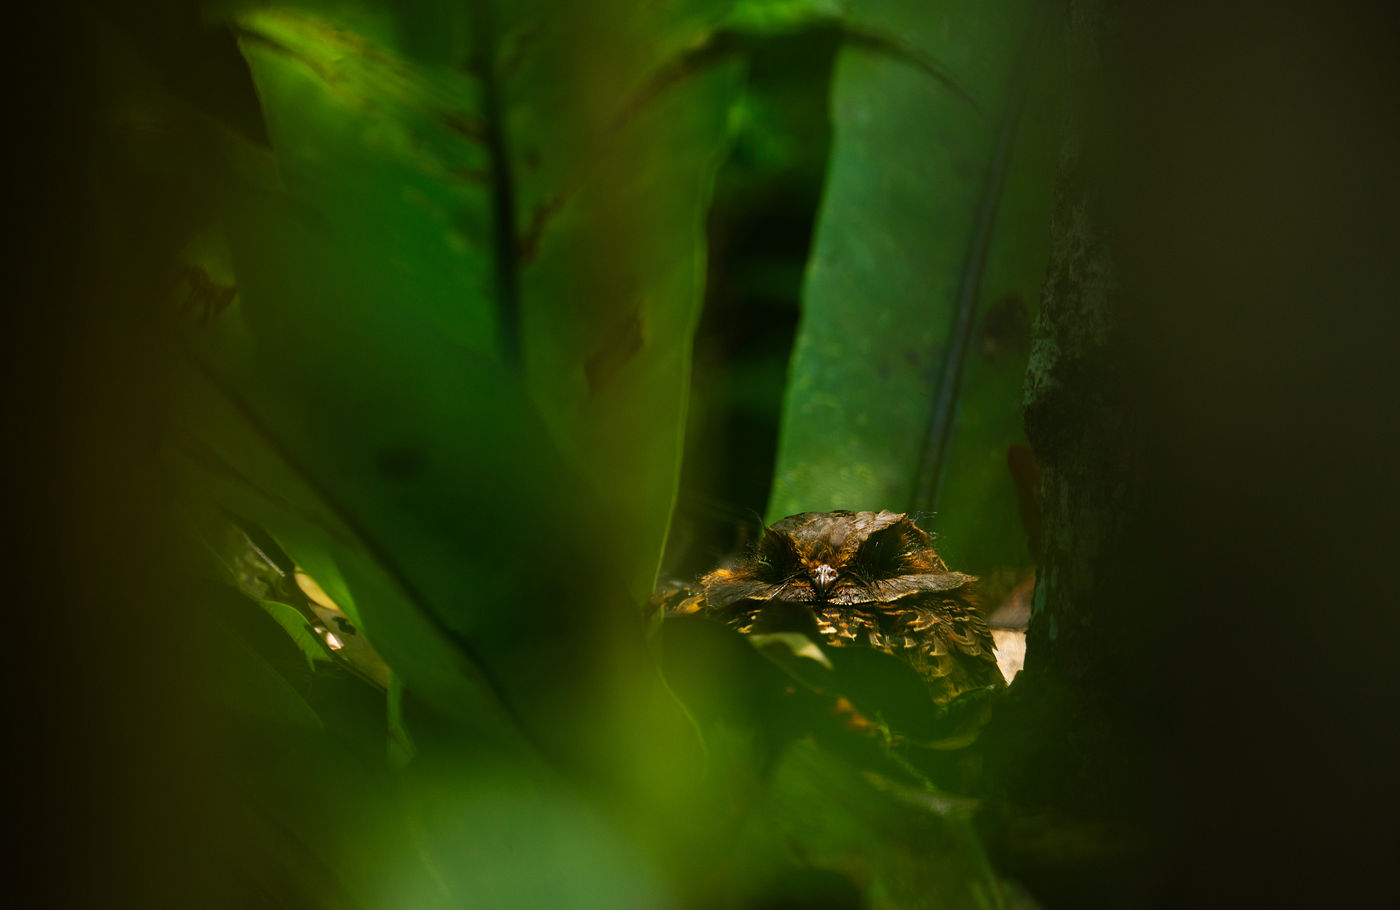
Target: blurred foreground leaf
903,846
437,335
440,332
817,811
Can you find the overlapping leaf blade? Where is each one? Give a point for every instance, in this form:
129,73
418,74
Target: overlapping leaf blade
452,381
904,384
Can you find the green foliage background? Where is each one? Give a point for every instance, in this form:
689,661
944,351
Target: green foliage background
433,275
1212,353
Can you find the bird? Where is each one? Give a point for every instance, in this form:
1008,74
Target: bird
856,580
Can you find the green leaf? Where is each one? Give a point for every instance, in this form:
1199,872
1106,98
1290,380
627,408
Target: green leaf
467,275
292,620
243,681
776,16
904,386
617,116
223,455
896,845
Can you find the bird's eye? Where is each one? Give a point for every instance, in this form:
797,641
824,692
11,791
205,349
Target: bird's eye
777,556
883,553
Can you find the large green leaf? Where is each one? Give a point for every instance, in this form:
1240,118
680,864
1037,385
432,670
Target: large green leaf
908,846
447,366
904,386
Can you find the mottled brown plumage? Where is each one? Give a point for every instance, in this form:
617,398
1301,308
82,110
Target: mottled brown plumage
858,579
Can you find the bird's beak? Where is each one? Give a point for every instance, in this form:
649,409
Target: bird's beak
823,577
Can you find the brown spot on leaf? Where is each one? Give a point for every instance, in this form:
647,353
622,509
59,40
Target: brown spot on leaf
198,294
1005,329
465,126
529,243
621,345
516,48
401,462
478,175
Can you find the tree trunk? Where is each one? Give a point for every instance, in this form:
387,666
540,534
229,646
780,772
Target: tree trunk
1208,402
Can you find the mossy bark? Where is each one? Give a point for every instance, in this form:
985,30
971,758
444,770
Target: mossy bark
1198,714
1057,765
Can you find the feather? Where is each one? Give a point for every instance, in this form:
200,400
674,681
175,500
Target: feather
865,579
